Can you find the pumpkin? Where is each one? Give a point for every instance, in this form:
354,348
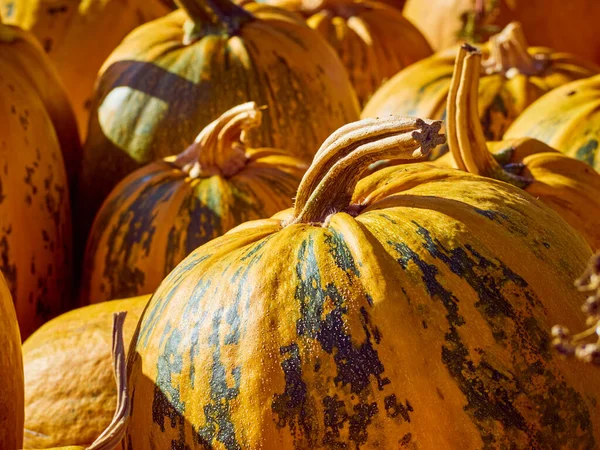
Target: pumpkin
307,8
515,76
11,373
21,50
369,315
565,119
112,436
35,221
563,25
172,77
70,393
160,213
79,35
569,186
373,40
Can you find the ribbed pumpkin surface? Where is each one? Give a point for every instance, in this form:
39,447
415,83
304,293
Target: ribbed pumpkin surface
421,90
566,119
11,373
35,222
70,393
79,35
161,213
419,318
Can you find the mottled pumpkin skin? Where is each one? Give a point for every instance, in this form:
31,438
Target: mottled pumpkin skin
35,220
566,119
421,322
421,90
11,373
79,35
21,50
372,39
159,214
568,26
70,393
155,93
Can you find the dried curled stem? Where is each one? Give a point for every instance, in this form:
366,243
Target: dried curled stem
113,434
329,183
576,345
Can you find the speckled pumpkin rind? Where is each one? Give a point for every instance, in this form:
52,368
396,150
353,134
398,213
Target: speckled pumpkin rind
35,215
430,310
567,119
11,373
70,386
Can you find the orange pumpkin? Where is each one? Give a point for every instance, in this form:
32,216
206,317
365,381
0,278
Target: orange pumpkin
35,214
515,75
412,309
79,35
11,373
172,77
162,212
567,26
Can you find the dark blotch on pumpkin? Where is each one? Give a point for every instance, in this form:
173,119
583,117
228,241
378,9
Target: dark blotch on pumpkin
405,440
587,152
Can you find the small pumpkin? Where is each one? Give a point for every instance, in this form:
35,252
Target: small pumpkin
515,75
159,214
373,40
566,119
35,214
569,186
567,26
79,35
70,394
11,373
370,314
172,77
20,50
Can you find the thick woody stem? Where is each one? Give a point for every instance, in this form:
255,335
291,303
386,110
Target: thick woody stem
114,433
466,139
212,17
329,183
219,148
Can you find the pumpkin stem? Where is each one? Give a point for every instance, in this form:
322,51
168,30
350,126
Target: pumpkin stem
466,140
509,55
114,432
212,17
219,148
329,183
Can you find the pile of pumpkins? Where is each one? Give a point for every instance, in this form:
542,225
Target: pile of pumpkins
296,224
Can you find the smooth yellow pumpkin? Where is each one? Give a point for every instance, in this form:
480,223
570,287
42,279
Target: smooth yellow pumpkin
569,186
161,213
21,51
567,119
79,35
35,214
11,373
70,393
411,310
515,75
172,77
568,26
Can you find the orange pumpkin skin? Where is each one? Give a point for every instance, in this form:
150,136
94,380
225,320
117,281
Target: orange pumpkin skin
369,325
70,393
372,39
306,8
421,90
564,25
570,187
155,93
566,119
162,212
79,35
21,50
35,221
11,373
